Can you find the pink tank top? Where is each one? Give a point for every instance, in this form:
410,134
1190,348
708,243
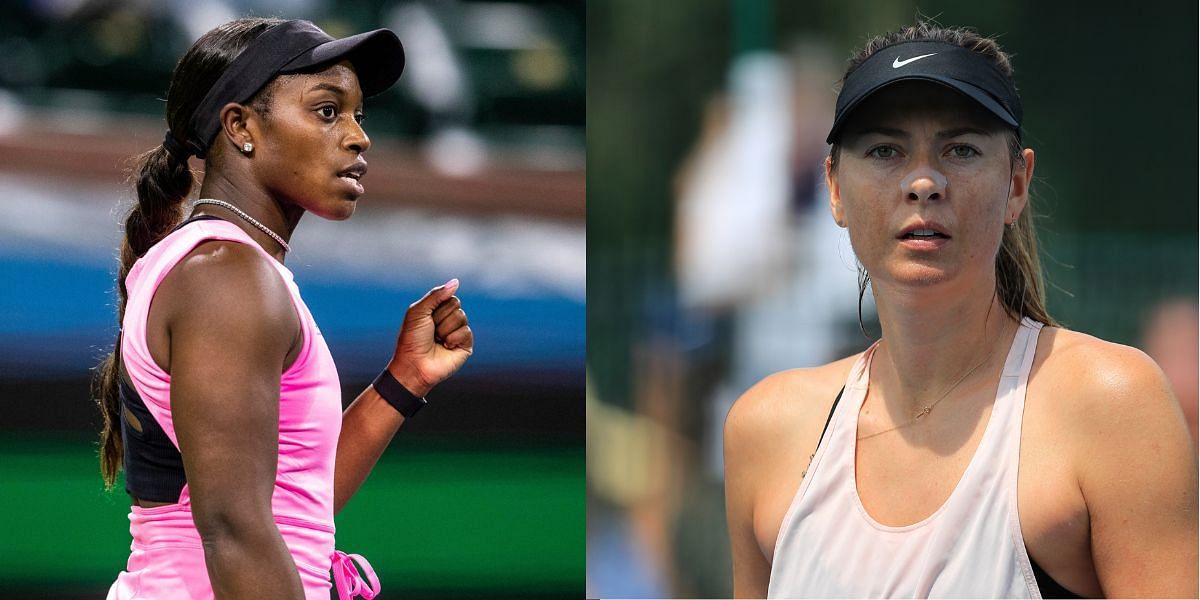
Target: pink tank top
970,547
167,559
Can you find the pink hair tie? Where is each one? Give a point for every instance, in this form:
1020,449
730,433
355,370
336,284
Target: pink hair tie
347,580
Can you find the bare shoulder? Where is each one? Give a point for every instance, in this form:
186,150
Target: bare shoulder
770,433
786,403
222,287
1110,407
224,276
1096,379
1117,423
225,266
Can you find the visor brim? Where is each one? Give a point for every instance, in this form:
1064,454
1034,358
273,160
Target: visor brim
979,95
377,56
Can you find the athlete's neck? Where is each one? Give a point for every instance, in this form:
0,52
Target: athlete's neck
931,339
255,202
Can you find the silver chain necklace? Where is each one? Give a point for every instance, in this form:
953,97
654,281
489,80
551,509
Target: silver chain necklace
929,407
251,220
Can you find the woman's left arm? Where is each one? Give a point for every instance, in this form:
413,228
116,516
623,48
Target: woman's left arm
1137,470
433,344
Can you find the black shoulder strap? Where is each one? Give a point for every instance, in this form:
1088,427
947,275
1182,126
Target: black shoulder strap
196,218
830,417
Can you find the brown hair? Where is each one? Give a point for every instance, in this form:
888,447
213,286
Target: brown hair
163,183
1019,281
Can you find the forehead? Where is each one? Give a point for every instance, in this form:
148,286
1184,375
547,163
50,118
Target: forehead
340,75
907,102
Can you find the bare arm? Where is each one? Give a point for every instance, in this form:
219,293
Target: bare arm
1137,471
230,333
770,433
368,425
743,453
433,344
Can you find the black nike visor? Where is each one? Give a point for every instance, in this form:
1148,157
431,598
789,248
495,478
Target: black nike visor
967,72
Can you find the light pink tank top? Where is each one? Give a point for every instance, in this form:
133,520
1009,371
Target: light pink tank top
167,559
970,547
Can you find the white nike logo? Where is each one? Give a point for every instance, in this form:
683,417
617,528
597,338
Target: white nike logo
896,64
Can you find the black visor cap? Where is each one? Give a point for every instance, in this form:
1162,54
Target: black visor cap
969,73
377,56
294,47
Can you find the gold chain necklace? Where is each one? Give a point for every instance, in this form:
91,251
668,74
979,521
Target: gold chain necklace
929,407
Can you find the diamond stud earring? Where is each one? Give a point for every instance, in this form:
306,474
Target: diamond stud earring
247,147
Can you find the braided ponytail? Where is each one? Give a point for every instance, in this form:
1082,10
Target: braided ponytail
163,182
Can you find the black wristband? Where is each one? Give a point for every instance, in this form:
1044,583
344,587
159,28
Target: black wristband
397,395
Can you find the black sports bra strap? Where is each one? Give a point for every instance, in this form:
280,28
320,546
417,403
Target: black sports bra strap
830,417
1047,585
153,465
196,218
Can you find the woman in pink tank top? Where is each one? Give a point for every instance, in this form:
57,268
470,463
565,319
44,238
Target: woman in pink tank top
221,400
977,449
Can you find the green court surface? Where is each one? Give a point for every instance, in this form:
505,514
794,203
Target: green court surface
438,517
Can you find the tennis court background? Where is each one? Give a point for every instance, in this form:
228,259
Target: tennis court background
476,172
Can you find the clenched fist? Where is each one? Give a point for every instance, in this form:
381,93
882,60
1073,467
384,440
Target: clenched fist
434,340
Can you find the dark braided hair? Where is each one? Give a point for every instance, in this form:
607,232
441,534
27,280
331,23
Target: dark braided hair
163,183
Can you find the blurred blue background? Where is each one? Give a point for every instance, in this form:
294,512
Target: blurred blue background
713,260
477,173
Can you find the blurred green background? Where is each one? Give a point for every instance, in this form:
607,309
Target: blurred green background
437,519
681,98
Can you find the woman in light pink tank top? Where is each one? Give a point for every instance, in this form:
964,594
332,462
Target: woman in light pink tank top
977,450
221,400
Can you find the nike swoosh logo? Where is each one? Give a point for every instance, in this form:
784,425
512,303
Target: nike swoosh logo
896,64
